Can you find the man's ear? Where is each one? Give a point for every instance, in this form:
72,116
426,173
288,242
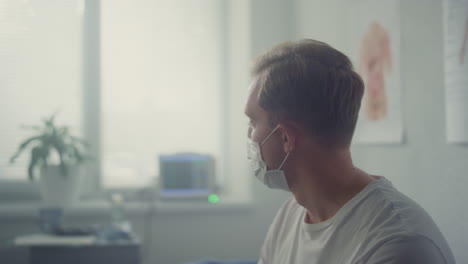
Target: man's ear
289,135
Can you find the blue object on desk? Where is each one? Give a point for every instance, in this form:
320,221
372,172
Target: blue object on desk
50,219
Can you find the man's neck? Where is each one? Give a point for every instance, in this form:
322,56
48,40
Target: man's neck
324,193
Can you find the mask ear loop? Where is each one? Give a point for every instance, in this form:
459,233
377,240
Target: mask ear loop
284,160
269,135
263,142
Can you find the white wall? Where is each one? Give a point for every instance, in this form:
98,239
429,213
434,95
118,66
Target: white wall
424,167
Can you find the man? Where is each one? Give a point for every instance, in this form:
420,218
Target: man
303,106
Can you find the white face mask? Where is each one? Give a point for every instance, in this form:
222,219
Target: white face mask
273,179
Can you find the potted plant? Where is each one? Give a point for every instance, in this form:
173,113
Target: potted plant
57,155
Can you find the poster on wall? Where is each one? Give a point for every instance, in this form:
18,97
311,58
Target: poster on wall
374,48
456,70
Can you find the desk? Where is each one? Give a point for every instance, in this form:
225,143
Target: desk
90,254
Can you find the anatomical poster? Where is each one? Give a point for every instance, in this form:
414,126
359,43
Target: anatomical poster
456,69
373,35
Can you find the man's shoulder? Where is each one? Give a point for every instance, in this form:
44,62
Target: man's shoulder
387,211
394,220
408,249
397,209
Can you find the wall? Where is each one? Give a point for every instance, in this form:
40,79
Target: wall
424,167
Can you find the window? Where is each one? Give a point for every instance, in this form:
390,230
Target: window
162,70
40,73
140,78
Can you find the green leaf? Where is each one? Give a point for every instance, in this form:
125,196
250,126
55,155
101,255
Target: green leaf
23,145
37,153
32,164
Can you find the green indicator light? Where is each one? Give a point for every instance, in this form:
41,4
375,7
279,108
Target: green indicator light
213,198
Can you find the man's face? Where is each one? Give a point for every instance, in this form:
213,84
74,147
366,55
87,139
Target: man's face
259,128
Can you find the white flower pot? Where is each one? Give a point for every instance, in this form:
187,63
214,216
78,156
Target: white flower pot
58,190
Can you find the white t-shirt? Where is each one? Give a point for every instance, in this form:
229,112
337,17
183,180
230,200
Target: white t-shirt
379,225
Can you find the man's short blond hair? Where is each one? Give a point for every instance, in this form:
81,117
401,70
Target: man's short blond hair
313,84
